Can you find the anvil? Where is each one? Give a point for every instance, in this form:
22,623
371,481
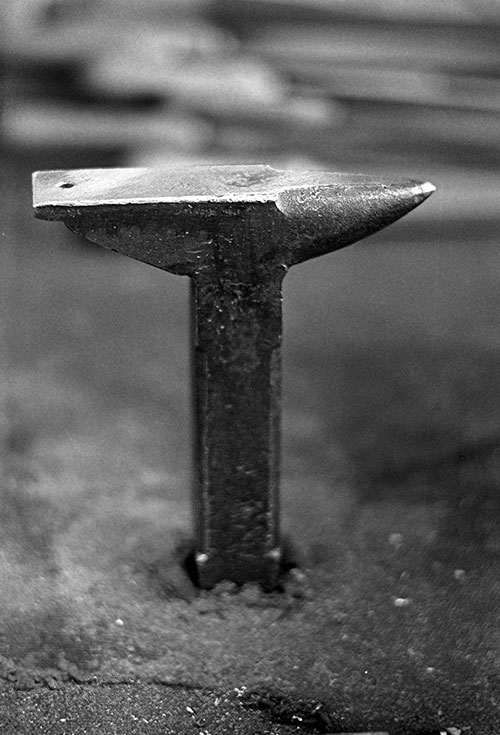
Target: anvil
235,231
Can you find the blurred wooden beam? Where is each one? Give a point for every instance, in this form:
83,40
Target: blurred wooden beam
51,124
225,87
79,42
430,49
445,12
428,89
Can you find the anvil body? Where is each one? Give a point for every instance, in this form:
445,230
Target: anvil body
235,231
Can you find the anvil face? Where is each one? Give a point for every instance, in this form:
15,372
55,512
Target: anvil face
182,218
250,183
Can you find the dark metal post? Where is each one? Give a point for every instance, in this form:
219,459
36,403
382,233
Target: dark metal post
237,397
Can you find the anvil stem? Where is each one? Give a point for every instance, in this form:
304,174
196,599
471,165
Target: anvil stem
237,376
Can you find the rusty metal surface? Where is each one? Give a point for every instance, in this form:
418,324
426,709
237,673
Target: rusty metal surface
235,230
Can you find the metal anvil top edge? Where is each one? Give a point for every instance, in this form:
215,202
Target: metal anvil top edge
178,184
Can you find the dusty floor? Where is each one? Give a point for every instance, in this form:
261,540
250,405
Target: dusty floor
390,490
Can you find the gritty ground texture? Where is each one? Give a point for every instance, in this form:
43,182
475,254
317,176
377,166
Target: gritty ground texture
391,475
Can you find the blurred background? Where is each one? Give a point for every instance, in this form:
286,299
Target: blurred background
391,84
392,349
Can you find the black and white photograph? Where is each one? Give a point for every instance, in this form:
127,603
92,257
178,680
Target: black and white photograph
249,367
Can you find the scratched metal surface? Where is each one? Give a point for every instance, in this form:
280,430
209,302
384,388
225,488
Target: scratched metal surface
93,187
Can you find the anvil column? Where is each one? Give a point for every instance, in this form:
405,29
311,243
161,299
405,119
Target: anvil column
237,327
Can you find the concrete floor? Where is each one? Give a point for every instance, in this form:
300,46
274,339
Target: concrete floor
390,494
